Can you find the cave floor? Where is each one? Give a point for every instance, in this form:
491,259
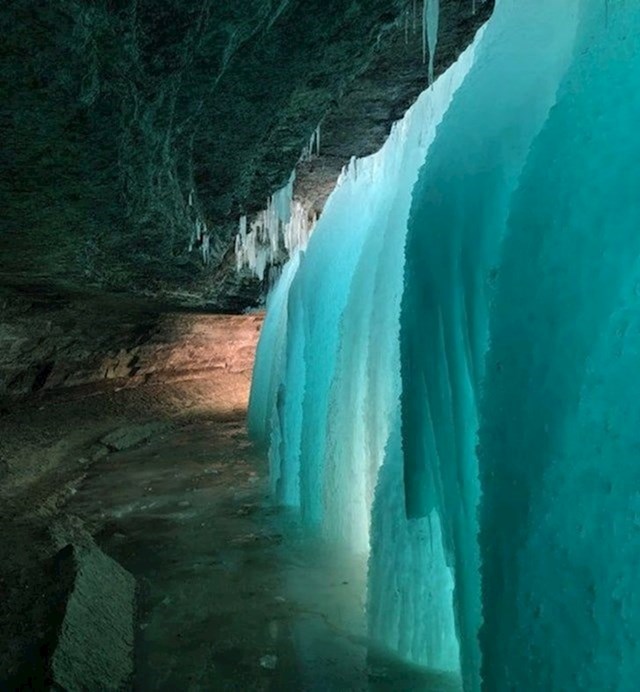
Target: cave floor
232,595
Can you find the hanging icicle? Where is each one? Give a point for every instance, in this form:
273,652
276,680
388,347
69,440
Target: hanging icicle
430,19
276,232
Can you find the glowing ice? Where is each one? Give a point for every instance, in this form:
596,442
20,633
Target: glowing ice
277,232
510,336
560,471
332,414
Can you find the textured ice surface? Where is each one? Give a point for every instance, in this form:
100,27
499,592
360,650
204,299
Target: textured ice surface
410,595
461,203
269,361
457,358
332,334
560,425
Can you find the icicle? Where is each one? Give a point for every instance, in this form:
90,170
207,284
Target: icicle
431,18
283,222
205,248
313,146
406,27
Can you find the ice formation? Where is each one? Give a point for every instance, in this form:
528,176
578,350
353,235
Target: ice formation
561,469
282,229
461,203
330,345
430,32
200,235
446,376
313,147
278,231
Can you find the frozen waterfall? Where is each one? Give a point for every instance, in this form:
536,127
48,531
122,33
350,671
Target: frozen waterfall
326,387
446,375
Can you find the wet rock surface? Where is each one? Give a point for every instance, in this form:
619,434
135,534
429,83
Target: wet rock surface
50,341
93,648
49,442
232,595
130,436
125,124
68,610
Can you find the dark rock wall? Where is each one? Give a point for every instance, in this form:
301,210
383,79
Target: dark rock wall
50,342
113,112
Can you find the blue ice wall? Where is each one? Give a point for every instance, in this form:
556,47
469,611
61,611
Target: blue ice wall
448,377
461,203
266,415
326,385
326,382
560,426
410,584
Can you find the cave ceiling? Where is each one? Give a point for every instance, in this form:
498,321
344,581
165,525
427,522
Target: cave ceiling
125,122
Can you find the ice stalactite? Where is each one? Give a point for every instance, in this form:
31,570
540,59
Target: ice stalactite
200,234
313,147
559,434
456,226
281,229
431,20
277,232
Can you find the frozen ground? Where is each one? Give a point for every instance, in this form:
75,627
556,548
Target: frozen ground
232,596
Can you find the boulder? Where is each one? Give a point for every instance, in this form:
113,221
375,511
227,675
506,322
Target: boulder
93,645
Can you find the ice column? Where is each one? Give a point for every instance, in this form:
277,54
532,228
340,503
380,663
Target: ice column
330,418
457,222
269,362
560,414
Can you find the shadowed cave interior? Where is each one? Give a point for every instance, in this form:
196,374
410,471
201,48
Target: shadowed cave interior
319,340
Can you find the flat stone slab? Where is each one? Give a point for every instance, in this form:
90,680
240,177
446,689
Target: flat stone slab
130,436
94,645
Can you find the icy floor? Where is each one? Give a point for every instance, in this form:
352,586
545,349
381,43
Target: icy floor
232,597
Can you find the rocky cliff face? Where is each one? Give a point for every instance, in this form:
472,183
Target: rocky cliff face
51,342
127,123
